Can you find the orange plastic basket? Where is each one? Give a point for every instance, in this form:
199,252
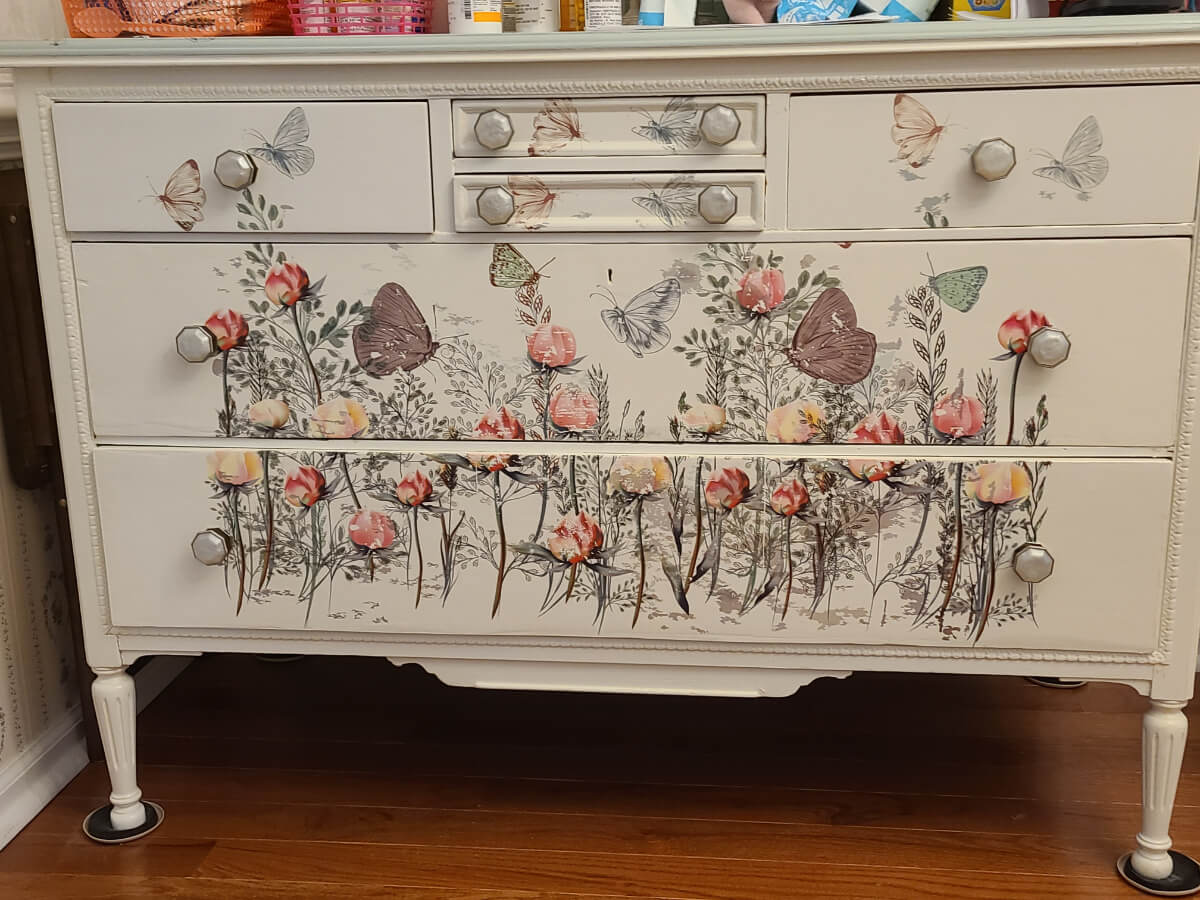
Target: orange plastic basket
176,18
359,16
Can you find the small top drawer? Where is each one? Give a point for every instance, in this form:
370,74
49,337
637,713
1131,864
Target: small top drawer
638,126
314,167
1074,156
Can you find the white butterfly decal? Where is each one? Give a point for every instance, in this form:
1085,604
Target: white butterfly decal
674,202
641,325
1081,168
288,152
183,198
673,129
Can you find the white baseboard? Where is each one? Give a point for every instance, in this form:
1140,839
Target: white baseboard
34,778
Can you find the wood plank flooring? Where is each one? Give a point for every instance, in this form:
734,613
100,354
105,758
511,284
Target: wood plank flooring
349,778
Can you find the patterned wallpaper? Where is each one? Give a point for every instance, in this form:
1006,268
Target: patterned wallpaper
37,679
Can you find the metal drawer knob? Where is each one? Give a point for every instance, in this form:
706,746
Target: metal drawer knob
195,343
493,129
1049,346
717,204
211,546
993,159
720,124
495,205
235,169
1032,563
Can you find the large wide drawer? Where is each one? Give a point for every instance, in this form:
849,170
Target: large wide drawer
320,167
640,341
626,126
1082,156
403,543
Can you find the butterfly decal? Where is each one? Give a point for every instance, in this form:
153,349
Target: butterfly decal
288,152
554,127
675,128
394,335
183,198
828,343
1081,168
641,324
532,200
674,202
510,269
914,130
959,288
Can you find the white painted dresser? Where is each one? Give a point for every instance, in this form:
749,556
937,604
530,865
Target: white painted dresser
304,297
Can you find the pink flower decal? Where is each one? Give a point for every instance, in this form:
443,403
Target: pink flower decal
877,428
704,418
999,483
371,530
235,468
271,413
228,327
1015,330
574,538
956,416
286,284
574,409
761,290
789,498
794,423
303,487
551,345
726,488
497,424
338,418
414,489
639,475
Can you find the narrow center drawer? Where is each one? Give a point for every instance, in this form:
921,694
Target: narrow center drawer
617,126
307,167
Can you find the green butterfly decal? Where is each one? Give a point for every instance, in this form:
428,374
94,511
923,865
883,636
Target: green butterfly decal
959,288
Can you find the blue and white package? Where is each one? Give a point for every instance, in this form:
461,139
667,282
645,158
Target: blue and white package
794,11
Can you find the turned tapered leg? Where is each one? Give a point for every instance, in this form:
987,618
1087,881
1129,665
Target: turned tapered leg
127,817
1154,866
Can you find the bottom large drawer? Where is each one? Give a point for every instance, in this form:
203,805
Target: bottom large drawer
856,551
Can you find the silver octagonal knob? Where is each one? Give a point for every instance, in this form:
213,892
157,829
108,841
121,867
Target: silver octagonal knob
235,169
1032,562
493,129
1049,346
211,546
717,204
495,205
195,343
993,159
720,124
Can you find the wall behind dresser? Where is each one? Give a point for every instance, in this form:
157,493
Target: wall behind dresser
27,20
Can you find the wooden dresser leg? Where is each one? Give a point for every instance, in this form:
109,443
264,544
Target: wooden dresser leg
1154,867
126,817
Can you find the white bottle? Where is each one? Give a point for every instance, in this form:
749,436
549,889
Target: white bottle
475,17
601,14
535,15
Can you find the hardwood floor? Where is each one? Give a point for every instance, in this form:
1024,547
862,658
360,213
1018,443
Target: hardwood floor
347,778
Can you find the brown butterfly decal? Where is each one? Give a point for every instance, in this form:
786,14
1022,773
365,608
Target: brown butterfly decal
829,344
394,336
554,127
532,200
183,198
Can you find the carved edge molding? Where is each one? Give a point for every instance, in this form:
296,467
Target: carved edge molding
800,651
70,311
798,82
1183,462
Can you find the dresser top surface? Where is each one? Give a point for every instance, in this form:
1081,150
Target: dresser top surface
708,42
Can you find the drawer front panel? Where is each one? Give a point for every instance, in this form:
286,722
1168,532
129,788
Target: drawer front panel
321,167
1080,155
636,341
733,201
304,551
629,126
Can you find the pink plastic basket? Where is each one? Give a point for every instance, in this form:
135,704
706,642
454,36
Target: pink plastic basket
359,16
